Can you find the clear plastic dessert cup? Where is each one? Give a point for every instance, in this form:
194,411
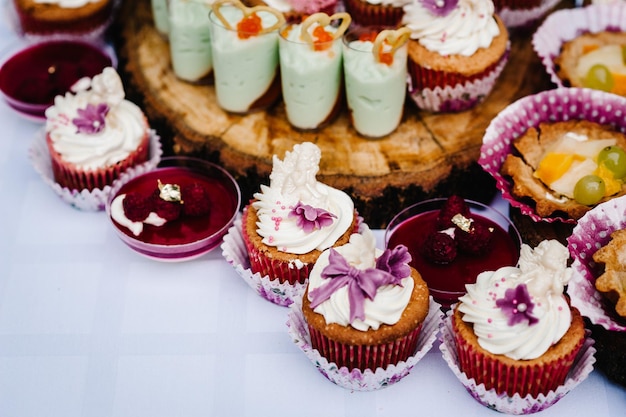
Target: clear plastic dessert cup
245,64
187,237
32,76
446,282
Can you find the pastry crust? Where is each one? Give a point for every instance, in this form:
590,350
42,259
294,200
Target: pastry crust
612,283
571,51
529,148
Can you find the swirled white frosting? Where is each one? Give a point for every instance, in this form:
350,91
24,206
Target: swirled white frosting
68,4
545,273
390,300
466,29
294,180
124,129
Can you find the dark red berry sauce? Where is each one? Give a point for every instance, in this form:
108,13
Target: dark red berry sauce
39,73
187,229
447,282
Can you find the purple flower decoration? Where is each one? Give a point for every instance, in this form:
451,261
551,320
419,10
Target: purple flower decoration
309,218
361,283
395,261
517,305
91,119
439,8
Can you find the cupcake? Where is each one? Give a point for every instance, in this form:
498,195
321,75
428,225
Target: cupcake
515,330
48,17
457,51
93,134
290,222
364,307
522,13
387,13
582,47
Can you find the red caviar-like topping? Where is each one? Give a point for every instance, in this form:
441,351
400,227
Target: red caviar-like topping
322,39
385,57
367,37
249,26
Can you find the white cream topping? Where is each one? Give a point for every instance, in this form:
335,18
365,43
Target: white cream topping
118,214
310,78
68,4
294,180
124,128
545,273
466,29
390,300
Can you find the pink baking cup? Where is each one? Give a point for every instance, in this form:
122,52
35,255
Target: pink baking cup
520,17
516,404
86,200
567,24
356,379
235,252
452,97
556,105
591,233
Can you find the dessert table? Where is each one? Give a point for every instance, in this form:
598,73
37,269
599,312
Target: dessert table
90,328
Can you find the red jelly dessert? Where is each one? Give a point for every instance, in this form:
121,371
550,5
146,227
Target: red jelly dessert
447,255
31,78
182,229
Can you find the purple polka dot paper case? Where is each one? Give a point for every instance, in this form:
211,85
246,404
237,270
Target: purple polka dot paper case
557,105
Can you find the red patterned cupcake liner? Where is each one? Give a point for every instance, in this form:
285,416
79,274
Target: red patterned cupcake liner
365,14
513,379
365,356
70,176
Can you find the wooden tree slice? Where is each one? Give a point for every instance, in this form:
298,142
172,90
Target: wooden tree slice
429,155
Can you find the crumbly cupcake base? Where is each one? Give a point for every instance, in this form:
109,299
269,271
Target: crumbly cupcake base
42,18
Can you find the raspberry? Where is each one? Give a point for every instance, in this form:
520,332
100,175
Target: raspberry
195,200
476,241
439,248
136,206
168,210
454,205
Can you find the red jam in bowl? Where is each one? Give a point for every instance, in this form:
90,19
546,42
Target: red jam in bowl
447,281
189,236
32,77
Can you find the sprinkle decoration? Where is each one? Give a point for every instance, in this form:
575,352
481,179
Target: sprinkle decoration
517,305
439,8
91,119
361,283
309,218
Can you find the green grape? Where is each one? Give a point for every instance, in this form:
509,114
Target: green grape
614,158
599,78
589,190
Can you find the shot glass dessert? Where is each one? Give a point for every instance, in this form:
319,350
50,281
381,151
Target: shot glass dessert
375,73
190,39
311,69
160,16
245,55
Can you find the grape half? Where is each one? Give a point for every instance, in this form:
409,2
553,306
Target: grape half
614,158
599,78
589,190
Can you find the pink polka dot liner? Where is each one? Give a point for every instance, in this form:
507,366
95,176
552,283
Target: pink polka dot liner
556,105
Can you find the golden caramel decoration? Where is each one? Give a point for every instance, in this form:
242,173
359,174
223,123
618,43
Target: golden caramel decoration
248,11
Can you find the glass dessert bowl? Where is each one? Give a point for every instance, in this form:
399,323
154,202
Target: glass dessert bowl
176,212
449,262
32,76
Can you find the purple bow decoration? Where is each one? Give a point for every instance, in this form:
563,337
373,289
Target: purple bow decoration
361,283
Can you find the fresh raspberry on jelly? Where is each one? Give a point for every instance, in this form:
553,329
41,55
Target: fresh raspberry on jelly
439,248
454,205
168,210
196,200
476,241
136,206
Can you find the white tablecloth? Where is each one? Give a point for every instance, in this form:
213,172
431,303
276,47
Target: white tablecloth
89,328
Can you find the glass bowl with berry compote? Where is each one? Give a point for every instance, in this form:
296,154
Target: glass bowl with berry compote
32,76
179,211
451,240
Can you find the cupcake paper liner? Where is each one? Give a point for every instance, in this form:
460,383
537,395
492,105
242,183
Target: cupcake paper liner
516,404
453,94
592,232
94,200
235,252
556,105
366,14
567,24
356,379
514,17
